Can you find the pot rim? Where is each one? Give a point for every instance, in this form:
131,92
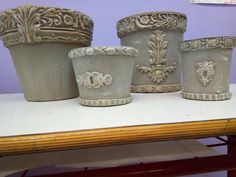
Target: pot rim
44,23
137,22
104,50
208,43
154,12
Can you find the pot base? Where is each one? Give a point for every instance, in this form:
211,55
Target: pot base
156,88
105,102
206,97
64,97
44,70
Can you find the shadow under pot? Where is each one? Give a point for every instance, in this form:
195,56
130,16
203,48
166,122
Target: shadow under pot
39,39
103,74
206,67
157,36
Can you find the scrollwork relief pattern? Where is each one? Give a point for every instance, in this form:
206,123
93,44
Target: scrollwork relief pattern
152,21
27,24
92,51
206,43
94,79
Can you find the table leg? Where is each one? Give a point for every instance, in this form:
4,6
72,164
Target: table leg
232,153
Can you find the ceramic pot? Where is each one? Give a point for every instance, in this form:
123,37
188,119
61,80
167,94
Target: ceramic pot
39,39
206,66
103,74
157,36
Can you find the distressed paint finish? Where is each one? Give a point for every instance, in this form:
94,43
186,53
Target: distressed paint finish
31,24
206,64
199,24
157,36
103,74
39,39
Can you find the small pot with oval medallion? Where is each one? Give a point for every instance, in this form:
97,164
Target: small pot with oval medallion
39,39
206,64
103,74
157,36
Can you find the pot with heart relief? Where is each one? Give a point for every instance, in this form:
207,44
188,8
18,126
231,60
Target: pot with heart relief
157,36
206,66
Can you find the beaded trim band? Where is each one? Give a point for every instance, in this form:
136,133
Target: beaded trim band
208,43
206,97
29,24
152,20
108,102
93,51
156,88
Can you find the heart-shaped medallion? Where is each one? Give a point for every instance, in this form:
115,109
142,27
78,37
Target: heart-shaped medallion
205,71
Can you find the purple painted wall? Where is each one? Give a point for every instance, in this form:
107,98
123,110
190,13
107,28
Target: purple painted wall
203,21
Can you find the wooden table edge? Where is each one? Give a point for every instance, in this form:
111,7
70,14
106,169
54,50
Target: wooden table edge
23,144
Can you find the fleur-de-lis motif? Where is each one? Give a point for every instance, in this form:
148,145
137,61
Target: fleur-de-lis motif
158,71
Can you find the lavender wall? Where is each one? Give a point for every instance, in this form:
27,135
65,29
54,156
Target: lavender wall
203,20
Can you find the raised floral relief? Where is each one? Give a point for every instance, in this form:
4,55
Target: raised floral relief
93,51
158,71
151,21
94,79
27,24
205,71
219,42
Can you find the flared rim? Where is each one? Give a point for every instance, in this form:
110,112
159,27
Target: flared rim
105,50
154,12
152,20
208,43
29,24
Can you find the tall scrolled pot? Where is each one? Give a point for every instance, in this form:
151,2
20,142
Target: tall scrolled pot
104,74
157,36
39,39
206,64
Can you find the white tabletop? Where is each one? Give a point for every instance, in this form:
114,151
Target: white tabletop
19,117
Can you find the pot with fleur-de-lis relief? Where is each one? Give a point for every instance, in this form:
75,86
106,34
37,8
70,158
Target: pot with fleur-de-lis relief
206,64
39,39
157,36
